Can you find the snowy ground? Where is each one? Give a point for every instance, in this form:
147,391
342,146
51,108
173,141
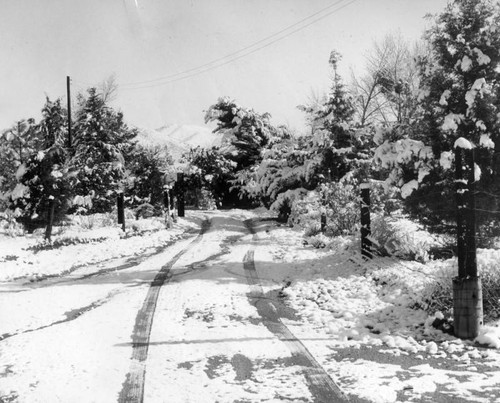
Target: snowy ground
240,318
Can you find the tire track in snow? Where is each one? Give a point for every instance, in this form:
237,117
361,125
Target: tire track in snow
133,387
49,280
321,385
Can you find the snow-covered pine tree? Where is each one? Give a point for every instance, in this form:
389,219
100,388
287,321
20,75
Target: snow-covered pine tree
459,97
343,147
246,134
146,167
286,165
16,145
45,175
102,141
246,131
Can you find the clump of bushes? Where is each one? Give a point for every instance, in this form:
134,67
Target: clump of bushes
437,294
401,238
9,226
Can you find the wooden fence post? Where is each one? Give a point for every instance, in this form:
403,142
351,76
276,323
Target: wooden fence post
323,222
467,288
180,194
172,199
48,229
120,204
166,204
366,243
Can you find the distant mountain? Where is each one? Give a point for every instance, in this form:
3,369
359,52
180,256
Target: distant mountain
180,138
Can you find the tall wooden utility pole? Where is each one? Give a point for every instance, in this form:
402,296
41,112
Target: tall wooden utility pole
68,84
467,289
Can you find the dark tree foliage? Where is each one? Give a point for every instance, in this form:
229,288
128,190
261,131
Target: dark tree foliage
46,174
212,171
343,147
460,83
247,131
146,168
102,142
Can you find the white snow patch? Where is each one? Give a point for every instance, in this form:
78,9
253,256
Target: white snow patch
462,142
477,172
486,141
466,63
451,121
446,159
490,336
470,96
444,96
408,188
481,57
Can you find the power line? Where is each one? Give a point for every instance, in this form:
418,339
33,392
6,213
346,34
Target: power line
245,51
236,52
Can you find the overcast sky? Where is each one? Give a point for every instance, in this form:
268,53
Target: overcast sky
163,51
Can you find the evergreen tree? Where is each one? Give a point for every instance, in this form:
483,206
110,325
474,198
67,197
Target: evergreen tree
460,97
245,131
102,141
45,175
342,147
146,167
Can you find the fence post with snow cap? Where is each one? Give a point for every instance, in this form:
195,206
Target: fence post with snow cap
467,288
366,243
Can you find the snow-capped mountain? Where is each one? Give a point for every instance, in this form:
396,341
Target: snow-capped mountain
180,138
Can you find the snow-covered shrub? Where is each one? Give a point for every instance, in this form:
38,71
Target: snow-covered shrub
284,202
319,241
312,229
9,226
87,222
305,209
342,208
69,239
145,225
147,210
207,200
401,237
98,220
438,292
338,201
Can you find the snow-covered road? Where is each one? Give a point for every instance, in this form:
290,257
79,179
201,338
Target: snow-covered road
177,316
180,325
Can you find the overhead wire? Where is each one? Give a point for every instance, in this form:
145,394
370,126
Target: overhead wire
235,52
234,56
